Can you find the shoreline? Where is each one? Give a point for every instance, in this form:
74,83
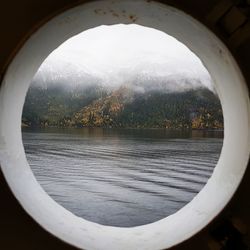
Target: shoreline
125,128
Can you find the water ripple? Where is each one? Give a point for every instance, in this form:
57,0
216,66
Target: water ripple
121,181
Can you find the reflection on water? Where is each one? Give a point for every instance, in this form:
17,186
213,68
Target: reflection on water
122,177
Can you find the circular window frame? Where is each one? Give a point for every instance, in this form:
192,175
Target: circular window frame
230,86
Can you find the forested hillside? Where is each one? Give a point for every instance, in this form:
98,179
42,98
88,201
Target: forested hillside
96,107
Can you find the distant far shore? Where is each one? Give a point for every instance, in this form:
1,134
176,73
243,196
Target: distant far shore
114,127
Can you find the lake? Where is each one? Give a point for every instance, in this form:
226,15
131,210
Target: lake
122,177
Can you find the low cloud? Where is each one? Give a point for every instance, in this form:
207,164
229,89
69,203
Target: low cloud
112,56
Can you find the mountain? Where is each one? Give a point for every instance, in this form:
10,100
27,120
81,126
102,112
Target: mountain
95,106
197,109
52,105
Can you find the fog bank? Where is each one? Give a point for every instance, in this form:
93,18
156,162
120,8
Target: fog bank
133,55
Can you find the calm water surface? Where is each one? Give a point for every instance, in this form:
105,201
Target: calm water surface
125,177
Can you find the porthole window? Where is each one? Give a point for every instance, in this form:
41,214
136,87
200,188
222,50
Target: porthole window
122,125
87,233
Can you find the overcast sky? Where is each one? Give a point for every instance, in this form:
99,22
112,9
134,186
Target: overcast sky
116,54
